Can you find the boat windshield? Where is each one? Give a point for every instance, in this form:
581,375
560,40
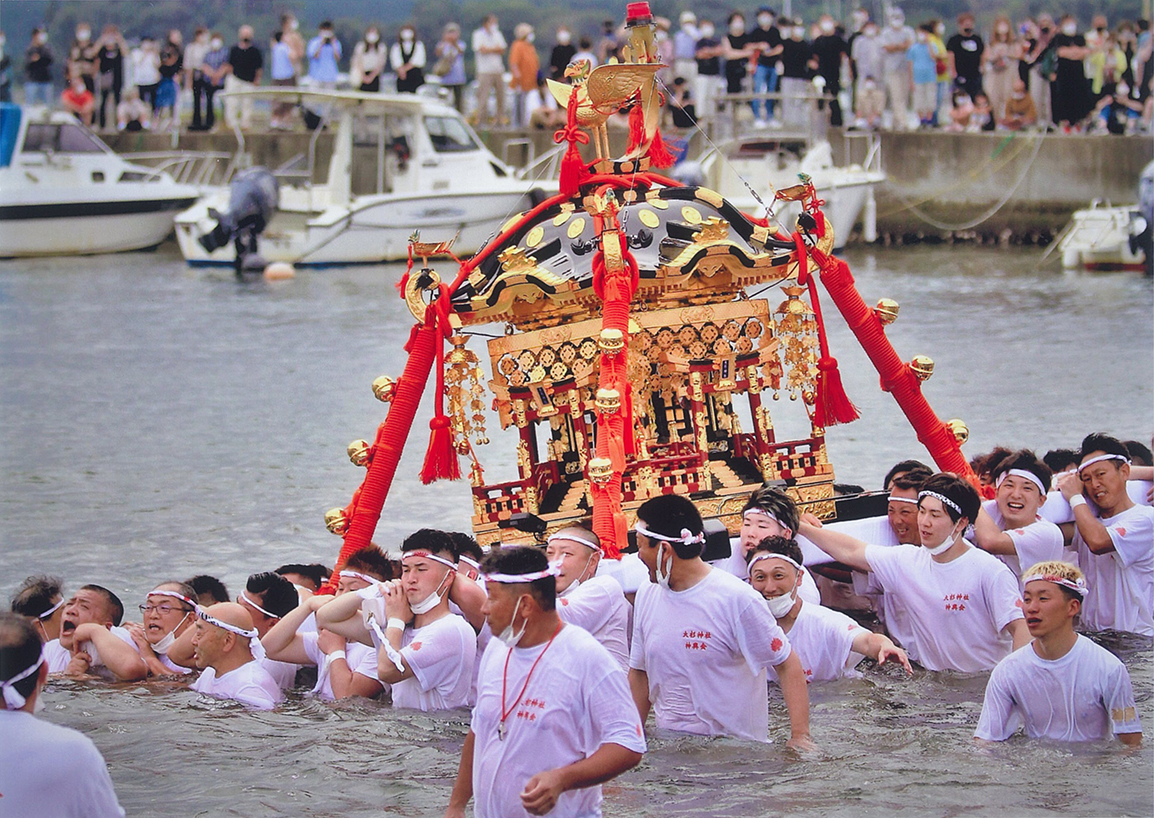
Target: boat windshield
60,138
449,135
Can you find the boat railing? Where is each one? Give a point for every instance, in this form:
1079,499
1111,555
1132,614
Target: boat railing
867,145
197,168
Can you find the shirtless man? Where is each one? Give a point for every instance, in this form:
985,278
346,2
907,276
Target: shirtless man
41,599
1010,526
90,630
224,641
1062,686
595,603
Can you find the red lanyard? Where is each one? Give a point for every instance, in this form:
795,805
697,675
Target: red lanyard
505,679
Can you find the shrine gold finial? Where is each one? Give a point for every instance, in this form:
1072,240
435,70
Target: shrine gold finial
922,366
358,452
385,388
959,429
886,311
337,521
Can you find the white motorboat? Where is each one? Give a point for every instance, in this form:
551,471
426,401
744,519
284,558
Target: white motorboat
64,192
767,162
432,173
1098,238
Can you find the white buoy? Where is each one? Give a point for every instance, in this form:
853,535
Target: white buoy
279,271
870,218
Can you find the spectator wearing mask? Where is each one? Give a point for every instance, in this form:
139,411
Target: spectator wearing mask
523,67
961,110
489,45
767,40
895,44
146,70
194,77
1100,42
966,49
708,53
38,61
324,52
213,69
407,59
450,65
1040,61
171,74
866,54
368,61
110,53
983,116
132,114
78,100
681,104
290,34
924,74
796,57
1019,112
737,53
585,52
832,52
1069,91
685,47
81,57
610,44
561,55
998,65
283,74
242,70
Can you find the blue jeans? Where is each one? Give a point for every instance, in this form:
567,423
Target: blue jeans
38,93
764,82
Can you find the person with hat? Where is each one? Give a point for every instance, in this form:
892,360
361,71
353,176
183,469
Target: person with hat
703,639
961,604
227,648
554,718
1112,535
41,599
595,603
47,769
1010,526
1062,686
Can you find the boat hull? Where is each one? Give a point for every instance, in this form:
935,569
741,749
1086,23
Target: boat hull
1098,239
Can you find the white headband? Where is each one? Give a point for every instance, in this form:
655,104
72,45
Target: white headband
909,500
472,563
13,700
1077,586
176,595
358,575
765,555
51,611
513,579
426,555
687,537
575,538
239,631
1025,475
269,614
945,500
763,513
1100,458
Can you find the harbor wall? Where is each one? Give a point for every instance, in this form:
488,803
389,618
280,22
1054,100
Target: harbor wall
939,184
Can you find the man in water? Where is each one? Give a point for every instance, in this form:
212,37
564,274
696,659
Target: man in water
226,647
1112,537
47,769
209,589
1062,686
307,578
41,599
169,610
828,643
553,718
769,512
961,604
90,630
595,603
702,639
268,597
1010,526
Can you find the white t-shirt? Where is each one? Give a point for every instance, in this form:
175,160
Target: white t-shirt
1084,696
1122,581
361,659
49,770
1040,541
823,640
488,63
629,571
576,700
955,611
171,665
57,656
1057,509
441,656
705,650
250,684
283,673
97,667
598,605
737,566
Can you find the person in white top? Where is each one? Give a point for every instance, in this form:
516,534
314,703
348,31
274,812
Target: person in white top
47,770
554,718
1009,526
90,630
344,668
489,45
769,512
1113,539
1062,686
169,611
829,643
702,639
41,599
595,603
226,647
961,604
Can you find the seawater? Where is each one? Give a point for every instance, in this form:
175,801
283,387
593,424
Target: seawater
158,421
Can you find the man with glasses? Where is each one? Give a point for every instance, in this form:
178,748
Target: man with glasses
168,612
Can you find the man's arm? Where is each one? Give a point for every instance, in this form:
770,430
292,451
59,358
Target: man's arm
639,687
470,598
991,538
118,656
609,761
791,678
283,642
342,616
147,654
842,547
1095,535
463,787
880,647
1019,633
391,664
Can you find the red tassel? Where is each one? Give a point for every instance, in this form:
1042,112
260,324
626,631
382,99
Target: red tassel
574,171
636,127
659,155
832,406
441,458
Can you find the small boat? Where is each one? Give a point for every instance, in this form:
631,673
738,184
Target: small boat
64,192
1104,238
769,163
418,166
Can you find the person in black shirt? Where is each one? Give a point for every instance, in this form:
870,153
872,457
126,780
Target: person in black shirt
244,66
110,53
737,53
561,55
965,49
831,50
767,40
681,105
38,76
708,82
796,69
1069,89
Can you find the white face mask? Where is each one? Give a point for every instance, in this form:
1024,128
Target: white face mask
1122,90
372,37
294,25
871,32
1070,29
827,27
407,36
530,37
432,600
764,20
663,573
896,22
556,566
563,37
83,35
217,45
706,32
508,636
950,539
798,32
780,606
169,638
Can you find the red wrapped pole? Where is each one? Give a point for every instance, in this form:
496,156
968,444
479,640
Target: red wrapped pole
390,442
896,376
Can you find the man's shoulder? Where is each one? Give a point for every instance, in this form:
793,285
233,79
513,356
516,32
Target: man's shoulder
450,623
22,728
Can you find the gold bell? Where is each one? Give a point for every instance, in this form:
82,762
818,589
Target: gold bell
359,452
922,366
959,429
600,470
608,401
337,521
611,341
886,311
385,388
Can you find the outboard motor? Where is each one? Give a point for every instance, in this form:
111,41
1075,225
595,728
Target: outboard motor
252,199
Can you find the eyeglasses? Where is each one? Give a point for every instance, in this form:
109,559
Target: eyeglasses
162,609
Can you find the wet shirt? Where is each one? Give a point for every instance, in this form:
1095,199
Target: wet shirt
441,656
250,684
823,640
598,606
361,659
1122,581
1040,541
